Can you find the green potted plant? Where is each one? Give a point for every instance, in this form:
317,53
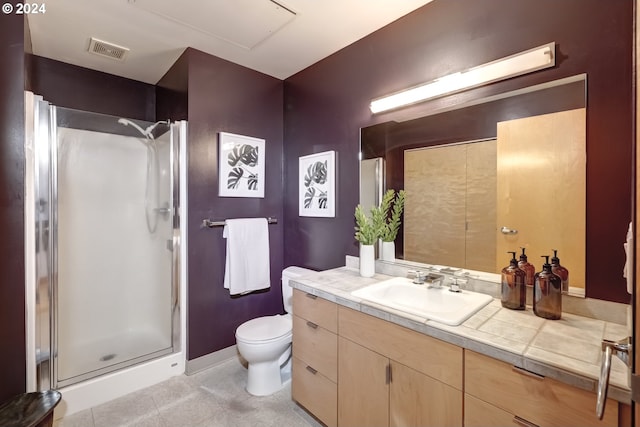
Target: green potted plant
367,233
391,212
382,225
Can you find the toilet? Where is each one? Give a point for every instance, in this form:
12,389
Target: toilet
265,343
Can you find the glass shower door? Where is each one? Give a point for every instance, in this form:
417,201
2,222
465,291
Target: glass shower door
113,203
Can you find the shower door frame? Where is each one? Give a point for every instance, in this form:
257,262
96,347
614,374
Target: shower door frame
43,150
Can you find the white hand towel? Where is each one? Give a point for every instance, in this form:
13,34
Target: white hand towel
247,264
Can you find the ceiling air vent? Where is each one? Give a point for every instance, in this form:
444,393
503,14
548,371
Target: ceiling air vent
108,50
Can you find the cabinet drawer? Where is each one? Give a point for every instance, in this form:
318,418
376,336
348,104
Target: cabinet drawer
315,392
542,401
315,309
430,356
478,413
316,346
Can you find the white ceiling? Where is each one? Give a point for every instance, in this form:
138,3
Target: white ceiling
278,39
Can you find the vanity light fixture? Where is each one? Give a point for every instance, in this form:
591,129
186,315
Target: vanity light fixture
501,69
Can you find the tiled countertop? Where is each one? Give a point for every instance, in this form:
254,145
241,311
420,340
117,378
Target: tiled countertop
568,349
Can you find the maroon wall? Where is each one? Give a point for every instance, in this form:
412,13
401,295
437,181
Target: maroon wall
327,103
225,97
172,91
12,310
66,85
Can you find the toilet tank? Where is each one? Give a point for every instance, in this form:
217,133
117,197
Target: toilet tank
287,291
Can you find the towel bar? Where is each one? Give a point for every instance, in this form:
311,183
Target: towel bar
211,224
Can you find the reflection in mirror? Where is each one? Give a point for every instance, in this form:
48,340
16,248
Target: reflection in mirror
450,205
481,180
371,182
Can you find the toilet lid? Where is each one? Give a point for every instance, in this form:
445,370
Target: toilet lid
264,328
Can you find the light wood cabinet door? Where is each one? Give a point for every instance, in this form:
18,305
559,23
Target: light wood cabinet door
315,309
539,400
315,356
478,413
316,346
363,390
431,356
419,400
315,392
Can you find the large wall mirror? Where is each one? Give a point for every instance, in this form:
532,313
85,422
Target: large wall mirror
505,173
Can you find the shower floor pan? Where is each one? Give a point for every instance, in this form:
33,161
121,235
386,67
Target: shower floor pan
92,359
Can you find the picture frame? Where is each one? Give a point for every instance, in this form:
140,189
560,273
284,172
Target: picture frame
317,185
241,166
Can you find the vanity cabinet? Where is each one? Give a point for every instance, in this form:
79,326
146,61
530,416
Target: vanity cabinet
353,369
498,394
315,356
389,375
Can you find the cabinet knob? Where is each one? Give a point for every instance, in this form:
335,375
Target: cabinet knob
310,369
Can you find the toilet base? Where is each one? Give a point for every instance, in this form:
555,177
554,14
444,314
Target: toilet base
266,378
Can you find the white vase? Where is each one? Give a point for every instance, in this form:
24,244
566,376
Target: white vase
387,251
367,260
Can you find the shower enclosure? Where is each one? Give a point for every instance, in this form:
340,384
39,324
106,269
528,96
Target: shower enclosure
106,264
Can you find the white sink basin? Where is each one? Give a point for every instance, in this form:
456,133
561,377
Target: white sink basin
439,304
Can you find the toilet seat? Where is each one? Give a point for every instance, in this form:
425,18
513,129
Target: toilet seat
264,329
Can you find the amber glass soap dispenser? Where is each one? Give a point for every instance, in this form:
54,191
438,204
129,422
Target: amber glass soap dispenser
547,293
528,268
559,270
514,291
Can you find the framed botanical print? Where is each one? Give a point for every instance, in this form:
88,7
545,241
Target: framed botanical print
317,186
241,166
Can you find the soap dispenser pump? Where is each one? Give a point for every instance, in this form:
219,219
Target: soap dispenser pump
561,271
514,291
528,268
547,293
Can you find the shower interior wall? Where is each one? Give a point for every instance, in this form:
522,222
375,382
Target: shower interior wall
92,280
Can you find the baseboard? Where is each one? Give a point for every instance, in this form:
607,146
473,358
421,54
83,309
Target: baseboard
212,359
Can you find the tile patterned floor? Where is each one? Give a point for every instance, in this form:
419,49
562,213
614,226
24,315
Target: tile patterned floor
212,398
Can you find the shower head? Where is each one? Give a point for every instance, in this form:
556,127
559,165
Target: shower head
148,132
128,122
150,129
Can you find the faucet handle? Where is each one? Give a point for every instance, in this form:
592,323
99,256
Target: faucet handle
455,284
419,276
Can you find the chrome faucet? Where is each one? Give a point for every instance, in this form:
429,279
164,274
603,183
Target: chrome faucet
433,280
